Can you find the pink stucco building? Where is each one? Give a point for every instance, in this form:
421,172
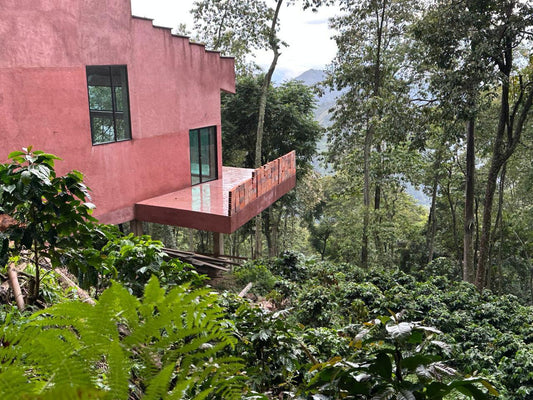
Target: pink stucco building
133,107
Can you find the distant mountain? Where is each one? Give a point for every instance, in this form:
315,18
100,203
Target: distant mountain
311,77
325,102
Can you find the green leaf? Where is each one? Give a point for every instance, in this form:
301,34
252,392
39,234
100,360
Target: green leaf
416,337
412,362
437,390
153,293
382,366
405,394
119,372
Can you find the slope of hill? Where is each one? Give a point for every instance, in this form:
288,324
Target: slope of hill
326,101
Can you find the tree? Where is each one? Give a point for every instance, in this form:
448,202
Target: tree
370,68
288,124
223,19
234,27
474,50
52,213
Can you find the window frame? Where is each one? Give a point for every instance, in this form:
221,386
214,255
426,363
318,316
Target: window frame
113,114
212,150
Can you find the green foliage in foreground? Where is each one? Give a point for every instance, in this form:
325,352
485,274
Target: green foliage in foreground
139,341
393,359
131,260
489,335
389,360
52,212
162,346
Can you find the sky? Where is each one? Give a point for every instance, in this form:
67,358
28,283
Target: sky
306,33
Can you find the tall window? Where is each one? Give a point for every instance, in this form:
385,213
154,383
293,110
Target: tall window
203,148
108,103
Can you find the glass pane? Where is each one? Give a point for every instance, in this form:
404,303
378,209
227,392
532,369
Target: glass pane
120,84
119,75
100,98
195,156
204,153
103,131
122,127
212,153
120,87
119,98
98,76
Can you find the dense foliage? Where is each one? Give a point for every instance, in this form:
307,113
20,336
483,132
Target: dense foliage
337,330
482,333
52,213
436,94
159,346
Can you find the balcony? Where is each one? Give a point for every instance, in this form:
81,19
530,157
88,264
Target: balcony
225,204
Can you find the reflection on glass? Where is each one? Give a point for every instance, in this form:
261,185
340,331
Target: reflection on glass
201,198
203,154
103,130
108,103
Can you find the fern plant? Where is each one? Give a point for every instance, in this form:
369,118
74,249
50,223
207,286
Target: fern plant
162,346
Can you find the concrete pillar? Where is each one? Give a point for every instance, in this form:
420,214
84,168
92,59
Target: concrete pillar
218,244
191,239
136,227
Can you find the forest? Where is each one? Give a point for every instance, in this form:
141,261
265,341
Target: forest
353,288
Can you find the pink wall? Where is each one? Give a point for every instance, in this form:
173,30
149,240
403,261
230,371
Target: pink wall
174,86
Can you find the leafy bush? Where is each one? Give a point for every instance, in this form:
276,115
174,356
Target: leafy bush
393,359
263,280
486,332
290,266
51,212
130,259
271,347
166,345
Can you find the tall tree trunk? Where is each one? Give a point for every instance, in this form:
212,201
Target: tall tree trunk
498,225
366,196
432,218
271,229
481,274
377,203
503,148
267,229
273,42
469,222
369,137
453,212
275,221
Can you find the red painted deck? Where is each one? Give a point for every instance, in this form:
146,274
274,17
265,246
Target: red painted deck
206,206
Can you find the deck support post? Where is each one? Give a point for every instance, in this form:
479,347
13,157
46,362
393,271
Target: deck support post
218,244
136,227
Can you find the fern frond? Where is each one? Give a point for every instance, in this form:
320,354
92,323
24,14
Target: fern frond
158,386
119,372
169,344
